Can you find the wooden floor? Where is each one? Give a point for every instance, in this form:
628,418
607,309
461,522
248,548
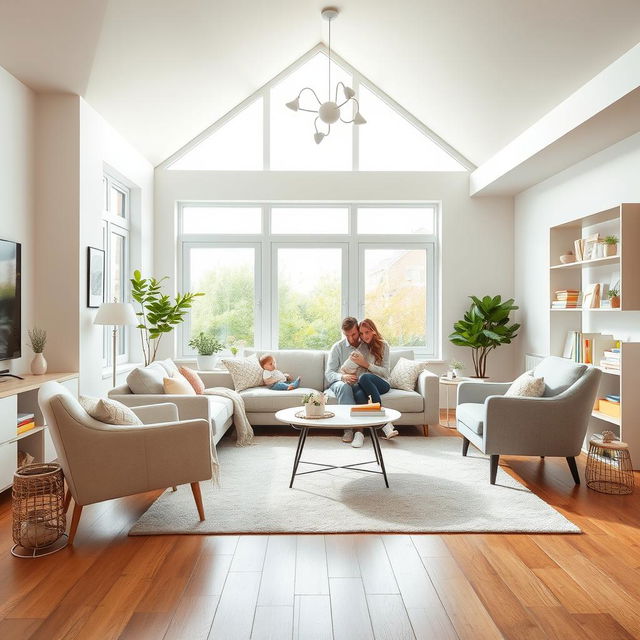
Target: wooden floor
467,586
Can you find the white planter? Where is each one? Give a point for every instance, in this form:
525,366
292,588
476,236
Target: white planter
314,410
38,365
207,363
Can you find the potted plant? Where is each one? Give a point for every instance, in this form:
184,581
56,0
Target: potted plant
614,297
235,345
157,315
206,346
38,340
456,368
485,327
314,404
610,246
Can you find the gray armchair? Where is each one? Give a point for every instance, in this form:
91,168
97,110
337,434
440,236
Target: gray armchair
553,425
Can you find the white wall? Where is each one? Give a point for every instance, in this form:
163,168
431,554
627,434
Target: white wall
17,111
74,145
477,234
598,183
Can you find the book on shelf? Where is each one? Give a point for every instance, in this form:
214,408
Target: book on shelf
587,347
567,299
23,428
25,417
613,397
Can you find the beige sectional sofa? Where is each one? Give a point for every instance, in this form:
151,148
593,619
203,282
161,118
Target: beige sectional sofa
418,407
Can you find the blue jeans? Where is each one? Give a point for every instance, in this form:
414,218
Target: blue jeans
284,386
343,392
369,384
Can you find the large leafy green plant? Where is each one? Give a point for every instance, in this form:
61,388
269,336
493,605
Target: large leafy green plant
158,314
485,327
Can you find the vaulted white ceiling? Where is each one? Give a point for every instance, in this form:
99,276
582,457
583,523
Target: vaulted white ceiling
477,72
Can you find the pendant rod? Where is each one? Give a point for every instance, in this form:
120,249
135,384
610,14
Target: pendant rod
329,86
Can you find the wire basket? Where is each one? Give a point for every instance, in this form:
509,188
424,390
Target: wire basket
39,519
609,468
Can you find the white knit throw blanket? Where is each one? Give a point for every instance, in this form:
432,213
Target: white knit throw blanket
244,432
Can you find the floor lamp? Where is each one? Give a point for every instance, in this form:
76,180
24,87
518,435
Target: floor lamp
117,314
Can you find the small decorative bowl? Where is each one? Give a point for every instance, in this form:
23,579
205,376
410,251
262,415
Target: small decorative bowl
568,258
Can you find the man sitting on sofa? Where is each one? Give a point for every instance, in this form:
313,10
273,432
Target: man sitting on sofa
339,382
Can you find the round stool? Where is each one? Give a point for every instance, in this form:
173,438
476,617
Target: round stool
39,519
609,468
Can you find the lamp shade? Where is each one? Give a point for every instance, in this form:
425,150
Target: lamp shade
116,313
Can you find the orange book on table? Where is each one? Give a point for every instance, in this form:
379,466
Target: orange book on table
373,406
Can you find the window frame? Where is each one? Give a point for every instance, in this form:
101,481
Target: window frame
352,243
118,225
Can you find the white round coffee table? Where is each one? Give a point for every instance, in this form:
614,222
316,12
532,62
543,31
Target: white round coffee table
341,420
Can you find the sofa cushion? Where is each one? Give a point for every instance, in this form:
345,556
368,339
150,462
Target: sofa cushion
220,410
394,356
246,372
194,379
398,399
472,415
526,386
109,411
309,365
405,374
559,374
263,399
178,385
147,379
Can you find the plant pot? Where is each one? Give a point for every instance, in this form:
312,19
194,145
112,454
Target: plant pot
38,365
207,363
615,302
313,410
610,250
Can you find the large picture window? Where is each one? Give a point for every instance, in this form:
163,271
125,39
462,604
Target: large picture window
282,276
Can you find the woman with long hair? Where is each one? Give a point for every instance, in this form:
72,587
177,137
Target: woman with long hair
373,369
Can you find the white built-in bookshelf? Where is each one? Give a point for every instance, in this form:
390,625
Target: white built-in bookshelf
621,270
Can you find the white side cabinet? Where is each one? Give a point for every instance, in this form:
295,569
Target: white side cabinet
21,396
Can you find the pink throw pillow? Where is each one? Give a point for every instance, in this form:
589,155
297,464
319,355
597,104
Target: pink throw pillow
194,379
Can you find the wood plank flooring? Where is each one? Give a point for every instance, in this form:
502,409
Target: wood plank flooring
387,587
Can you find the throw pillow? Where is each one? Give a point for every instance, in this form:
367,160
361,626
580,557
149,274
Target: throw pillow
194,379
178,385
246,372
170,366
147,379
526,386
405,374
109,411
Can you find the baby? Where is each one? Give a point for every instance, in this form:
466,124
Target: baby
274,379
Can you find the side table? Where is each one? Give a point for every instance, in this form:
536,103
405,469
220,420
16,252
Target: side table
449,383
609,468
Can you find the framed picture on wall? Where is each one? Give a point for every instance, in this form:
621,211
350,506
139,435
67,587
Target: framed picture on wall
95,277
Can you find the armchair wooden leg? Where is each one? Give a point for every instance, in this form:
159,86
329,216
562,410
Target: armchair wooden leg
571,461
75,520
197,496
494,468
67,500
174,488
425,430
465,446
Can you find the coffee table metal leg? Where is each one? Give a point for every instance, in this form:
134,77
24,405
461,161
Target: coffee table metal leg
301,440
376,446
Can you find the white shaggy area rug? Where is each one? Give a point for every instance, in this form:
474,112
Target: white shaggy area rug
432,488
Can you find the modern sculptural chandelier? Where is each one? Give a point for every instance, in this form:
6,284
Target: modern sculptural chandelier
329,111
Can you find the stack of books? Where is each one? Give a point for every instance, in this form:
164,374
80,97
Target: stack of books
368,410
567,299
588,347
26,422
610,360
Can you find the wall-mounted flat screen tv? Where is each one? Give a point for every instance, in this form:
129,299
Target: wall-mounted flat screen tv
10,311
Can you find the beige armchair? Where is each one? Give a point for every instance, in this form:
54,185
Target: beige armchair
102,461
553,425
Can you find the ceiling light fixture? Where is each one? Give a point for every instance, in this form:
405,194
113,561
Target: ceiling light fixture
329,111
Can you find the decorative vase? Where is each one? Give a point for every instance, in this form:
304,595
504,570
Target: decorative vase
567,258
38,365
207,363
615,302
313,410
610,250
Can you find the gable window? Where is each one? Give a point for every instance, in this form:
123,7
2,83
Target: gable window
115,242
262,134
282,276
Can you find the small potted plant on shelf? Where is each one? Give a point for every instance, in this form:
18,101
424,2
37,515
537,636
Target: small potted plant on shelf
614,297
206,346
235,346
314,404
38,340
610,246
